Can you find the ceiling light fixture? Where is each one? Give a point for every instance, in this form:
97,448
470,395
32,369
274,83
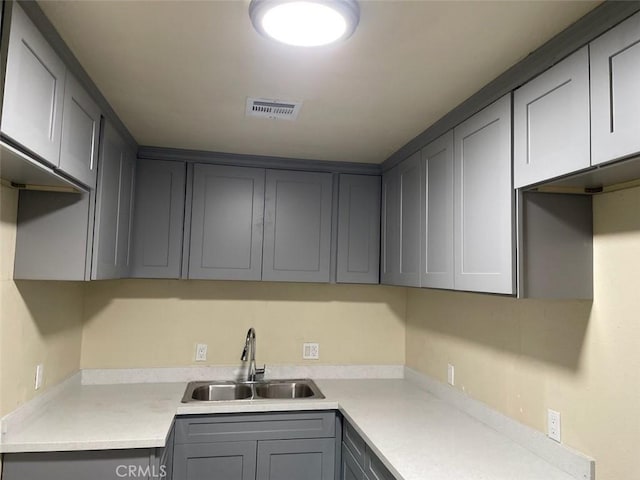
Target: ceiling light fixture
305,23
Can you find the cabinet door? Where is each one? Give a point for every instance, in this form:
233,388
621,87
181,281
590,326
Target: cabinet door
436,219
215,461
297,228
226,223
350,469
80,132
389,261
307,459
113,207
359,229
409,255
34,90
551,122
158,219
615,99
484,201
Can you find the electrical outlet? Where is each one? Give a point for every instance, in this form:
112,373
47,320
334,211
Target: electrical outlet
553,425
201,352
451,374
39,375
311,351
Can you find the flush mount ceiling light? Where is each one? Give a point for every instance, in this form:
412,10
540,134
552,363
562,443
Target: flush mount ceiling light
305,23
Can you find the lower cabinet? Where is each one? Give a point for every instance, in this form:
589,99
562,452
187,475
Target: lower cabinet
215,461
270,446
358,461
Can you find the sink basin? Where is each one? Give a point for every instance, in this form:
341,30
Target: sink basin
285,389
264,390
218,392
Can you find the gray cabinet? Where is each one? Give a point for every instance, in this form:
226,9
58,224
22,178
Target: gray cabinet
484,201
268,446
358,229
436,218
390,227
551,132
141,464
350,468
358,461
34,90
158,219
80,134
306,459
409,215
615,99
215,461
297,226
226,223
111,256
401,223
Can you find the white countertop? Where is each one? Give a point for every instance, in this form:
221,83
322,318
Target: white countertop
415,434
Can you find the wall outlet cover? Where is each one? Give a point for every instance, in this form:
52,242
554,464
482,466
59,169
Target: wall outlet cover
39,375
553,425
201,352
311,351
451,374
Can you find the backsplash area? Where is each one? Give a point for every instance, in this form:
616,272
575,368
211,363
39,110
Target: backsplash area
157,323
522,357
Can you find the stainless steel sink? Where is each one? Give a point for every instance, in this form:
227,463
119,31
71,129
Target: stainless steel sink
262,390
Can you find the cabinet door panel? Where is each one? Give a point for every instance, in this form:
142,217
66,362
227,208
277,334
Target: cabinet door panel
226,223
437,214
390,258
615,99
80,132
483,202
297,240
409,256
350,470
215,461
359,229
307,459
34,90
125,213
551,122
158,219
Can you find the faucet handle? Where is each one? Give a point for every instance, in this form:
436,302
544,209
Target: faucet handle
260,372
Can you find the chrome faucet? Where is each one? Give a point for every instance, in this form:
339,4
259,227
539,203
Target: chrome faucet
253,374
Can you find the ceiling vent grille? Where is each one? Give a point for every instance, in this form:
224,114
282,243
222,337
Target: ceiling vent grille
275,109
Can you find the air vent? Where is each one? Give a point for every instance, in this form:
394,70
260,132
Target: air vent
261,107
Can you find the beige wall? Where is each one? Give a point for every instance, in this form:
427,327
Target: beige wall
156,323
40,322
524,356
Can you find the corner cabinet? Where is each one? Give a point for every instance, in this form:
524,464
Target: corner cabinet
484,202
551,132
226,223
270,446
401,224
297,226
34,90
615,99
158,219
436,216
358,229
114,203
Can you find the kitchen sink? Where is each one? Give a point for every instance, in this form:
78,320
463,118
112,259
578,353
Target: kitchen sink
216,391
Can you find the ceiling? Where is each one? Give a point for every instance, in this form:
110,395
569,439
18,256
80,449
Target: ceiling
178,72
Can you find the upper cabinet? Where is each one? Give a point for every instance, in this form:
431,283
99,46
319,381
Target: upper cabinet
551,122
615,98
297,226
226,223
484,201
158,219
401,223
358,229
111,255
34,90
80,134
436,216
